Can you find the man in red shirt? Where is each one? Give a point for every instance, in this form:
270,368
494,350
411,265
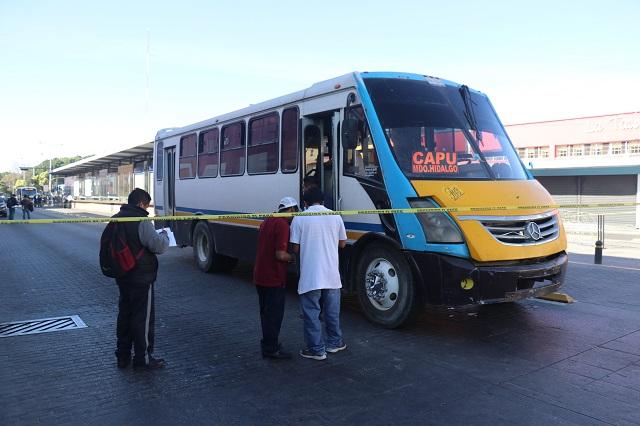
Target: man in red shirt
270,276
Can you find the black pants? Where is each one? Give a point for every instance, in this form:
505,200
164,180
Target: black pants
136,322
271,314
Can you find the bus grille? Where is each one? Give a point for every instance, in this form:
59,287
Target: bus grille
523,230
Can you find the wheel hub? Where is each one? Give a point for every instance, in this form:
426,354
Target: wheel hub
376,285
203,247
382,284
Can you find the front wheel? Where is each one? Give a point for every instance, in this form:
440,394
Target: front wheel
386,290
204,251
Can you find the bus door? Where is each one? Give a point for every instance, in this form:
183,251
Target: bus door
169,183
319,132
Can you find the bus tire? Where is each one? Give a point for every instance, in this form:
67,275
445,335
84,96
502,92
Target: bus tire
204,251
385,286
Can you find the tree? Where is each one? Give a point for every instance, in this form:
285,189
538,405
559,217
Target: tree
57,162
8,181
41,179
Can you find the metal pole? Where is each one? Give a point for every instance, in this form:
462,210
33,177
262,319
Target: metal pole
597,259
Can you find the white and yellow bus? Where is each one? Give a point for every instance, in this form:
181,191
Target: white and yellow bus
374,140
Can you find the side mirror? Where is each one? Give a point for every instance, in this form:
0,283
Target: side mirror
349,133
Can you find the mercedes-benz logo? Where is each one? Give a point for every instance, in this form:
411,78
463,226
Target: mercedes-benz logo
533,231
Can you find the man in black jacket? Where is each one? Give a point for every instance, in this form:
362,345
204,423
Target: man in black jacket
136,314
12,202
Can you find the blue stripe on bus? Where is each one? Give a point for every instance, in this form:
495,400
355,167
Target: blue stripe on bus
356,226
359,226
205,211
398,186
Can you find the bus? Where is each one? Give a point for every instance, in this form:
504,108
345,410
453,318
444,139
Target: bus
30,191
373,140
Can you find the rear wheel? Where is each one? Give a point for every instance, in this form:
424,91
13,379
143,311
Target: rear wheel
204,252
386,290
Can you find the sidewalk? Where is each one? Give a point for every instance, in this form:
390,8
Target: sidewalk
619,240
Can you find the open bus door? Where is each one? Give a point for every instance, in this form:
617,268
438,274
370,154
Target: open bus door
320,153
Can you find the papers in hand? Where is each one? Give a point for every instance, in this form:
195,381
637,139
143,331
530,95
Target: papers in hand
172,238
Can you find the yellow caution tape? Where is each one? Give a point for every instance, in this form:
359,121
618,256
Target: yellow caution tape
339,212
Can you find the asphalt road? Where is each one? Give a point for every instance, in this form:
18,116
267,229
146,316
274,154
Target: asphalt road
532,362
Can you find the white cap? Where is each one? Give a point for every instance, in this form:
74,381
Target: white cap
287,202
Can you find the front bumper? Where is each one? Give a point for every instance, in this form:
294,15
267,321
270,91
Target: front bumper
494,282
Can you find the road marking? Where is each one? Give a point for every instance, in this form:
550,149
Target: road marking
605,266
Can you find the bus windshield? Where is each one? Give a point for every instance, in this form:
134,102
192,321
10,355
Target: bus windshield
442,132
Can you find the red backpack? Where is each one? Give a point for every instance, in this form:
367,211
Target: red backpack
117,255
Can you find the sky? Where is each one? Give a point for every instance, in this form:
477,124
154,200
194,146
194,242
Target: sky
88,77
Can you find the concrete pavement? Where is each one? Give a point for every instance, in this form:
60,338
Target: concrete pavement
527,363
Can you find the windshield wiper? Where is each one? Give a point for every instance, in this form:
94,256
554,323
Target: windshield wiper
470,116
469,112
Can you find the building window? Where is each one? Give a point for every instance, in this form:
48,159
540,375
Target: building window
531,152
188,157
159,160
634,147
232,151
522,152
544,152
615,148
577,150
562,151
208,153
289,140
596,149
262,149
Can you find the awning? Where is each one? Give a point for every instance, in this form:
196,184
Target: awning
103,161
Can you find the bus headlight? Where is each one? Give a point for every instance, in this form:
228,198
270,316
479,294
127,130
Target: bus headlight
438,227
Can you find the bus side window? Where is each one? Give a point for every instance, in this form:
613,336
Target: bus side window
159,161
232,150
362,161
289,140
188,157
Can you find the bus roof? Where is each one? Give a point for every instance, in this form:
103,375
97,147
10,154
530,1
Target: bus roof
316,89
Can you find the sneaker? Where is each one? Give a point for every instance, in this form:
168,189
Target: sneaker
306,353
279,354
153,364
337,349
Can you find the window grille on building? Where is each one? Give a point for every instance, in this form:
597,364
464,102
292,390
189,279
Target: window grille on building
577,150
616,149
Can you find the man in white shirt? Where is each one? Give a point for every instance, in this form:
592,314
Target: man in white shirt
317,239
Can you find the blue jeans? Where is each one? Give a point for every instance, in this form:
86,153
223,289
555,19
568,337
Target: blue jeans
26,214
310,303
12,213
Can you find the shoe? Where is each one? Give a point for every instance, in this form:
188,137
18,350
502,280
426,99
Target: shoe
124,359
153,364
279,354
123,362
306,353
337,349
